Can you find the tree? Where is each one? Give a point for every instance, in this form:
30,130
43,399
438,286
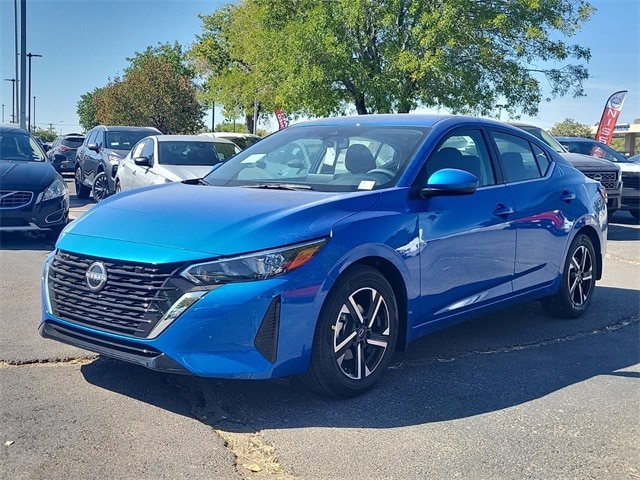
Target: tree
570,128
48,135
157,89
87,110
321,58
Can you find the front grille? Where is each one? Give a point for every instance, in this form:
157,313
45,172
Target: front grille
133,300
15,199
606,179
631,180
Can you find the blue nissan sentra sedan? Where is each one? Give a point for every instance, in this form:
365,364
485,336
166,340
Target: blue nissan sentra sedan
325,247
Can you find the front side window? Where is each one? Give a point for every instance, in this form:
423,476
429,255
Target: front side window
326,158
463,150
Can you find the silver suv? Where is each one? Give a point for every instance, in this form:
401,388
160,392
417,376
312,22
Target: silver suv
98,158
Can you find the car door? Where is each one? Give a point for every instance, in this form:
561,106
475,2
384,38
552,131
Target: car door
148,175
543,211
91,157
469,240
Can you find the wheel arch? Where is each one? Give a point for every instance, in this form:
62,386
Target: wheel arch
397,283
590,232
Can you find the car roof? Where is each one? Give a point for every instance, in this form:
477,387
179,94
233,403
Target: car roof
190,138
125,128
13,128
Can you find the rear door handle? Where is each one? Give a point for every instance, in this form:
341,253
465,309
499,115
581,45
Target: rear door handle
502,210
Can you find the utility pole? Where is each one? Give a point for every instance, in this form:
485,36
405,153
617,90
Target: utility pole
34,111
30,55
13,99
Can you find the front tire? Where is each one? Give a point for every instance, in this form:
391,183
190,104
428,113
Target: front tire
355,336
578,281
100,189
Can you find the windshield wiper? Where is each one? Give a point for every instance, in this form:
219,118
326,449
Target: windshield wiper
280,186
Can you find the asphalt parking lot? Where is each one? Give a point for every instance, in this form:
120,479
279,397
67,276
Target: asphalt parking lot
514,395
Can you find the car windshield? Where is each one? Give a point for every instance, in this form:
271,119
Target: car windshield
125,140
201,153
72,142
20,147
323,158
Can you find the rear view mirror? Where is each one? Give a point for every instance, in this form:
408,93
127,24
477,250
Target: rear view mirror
142,161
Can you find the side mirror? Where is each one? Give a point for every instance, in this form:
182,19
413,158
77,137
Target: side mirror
142,161
94,147
450,181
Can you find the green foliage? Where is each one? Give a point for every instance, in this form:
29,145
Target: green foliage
570,128
157,90
48,135
320,58
87,111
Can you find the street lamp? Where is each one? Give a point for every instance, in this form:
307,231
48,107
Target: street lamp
34,111
30,55
13,99
500,106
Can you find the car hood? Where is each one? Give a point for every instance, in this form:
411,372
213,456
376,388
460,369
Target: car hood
33,176
580,161
183,172
179,222
629,167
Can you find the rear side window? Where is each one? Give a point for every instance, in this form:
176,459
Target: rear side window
519,158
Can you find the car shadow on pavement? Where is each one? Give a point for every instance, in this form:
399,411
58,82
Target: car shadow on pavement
31,240
496,362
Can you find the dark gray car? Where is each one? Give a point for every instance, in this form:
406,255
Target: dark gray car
62,151
98,158
605,172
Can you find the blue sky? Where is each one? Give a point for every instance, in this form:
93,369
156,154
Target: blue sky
84,43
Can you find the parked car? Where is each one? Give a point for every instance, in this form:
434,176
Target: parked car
325,247
33,196
243,140
630,170
634,158
170,158
62,151
98,157
605,172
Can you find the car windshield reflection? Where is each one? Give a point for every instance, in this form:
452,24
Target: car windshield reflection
318,158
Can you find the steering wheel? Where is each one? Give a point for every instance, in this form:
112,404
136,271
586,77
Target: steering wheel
384,171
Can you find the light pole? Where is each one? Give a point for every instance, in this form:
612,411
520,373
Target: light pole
13,99
30,55
34,111
500,106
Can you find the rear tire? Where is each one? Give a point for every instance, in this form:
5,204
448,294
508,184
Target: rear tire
82,191
355,336
578,281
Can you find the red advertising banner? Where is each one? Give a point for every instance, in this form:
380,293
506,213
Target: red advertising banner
282,119
610,117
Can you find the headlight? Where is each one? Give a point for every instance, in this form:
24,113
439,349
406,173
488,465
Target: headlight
114,159
255,266
57,189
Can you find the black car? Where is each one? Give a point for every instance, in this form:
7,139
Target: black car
605,172
98,157
62,151
33,196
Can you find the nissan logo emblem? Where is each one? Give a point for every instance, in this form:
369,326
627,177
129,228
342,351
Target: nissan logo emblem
96,276
597,177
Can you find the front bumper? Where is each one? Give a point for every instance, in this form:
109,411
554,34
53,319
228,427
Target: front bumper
251,330
49,214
